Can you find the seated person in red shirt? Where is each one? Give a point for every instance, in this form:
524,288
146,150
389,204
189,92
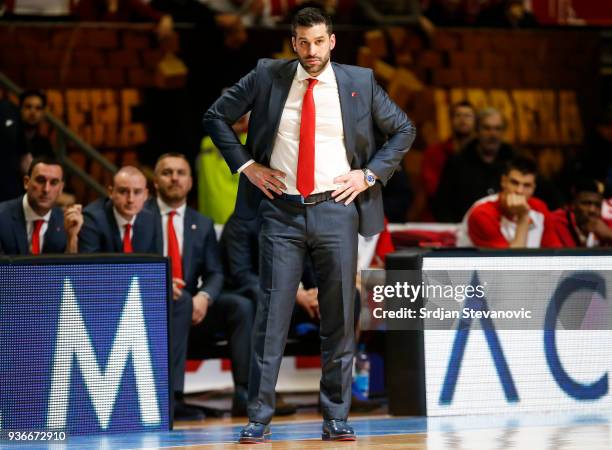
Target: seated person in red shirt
580,224
513,218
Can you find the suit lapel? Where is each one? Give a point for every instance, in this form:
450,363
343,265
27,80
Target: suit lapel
20,229
189,227
115,234
139,231
281,84
53,228
159,238
347,105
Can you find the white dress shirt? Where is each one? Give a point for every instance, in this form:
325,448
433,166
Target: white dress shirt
30,217
121,223
330,152
178,222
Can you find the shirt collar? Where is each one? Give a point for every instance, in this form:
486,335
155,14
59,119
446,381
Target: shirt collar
164,208
121,222
30,214
327,76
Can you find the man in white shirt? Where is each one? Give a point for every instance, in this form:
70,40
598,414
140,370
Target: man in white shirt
188,240
313,173
31,223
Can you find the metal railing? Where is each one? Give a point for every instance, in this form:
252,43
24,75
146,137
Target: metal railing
65,135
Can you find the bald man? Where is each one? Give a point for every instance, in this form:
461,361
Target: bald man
119,224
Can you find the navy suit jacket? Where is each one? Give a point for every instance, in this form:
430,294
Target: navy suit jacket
100,232
13,231
200,251
366,111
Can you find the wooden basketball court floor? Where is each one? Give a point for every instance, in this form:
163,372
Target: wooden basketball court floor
529,431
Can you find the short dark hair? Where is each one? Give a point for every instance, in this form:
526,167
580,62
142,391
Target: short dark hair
309,17
172,155
462,104
33,93
587,185
523,164
48,160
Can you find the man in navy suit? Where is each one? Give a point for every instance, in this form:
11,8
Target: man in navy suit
119,224
31,223
188,239
311,151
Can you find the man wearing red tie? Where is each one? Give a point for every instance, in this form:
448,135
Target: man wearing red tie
312,171
118,224
32,224
188,239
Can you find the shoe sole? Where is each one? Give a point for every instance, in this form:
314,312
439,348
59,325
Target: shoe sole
340,437
263,440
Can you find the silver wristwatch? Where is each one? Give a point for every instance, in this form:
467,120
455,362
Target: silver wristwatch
369,177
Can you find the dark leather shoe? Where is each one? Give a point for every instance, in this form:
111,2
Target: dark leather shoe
183,411
337,430
255,433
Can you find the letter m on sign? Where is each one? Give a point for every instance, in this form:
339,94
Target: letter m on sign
74,344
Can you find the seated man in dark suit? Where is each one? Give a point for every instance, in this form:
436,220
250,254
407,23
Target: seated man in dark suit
188,239
31,223
119,223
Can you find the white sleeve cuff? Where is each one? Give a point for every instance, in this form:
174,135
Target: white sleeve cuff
245,165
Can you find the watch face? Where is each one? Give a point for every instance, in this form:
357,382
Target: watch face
370,179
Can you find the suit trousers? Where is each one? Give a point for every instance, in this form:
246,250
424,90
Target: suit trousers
231,315
326,231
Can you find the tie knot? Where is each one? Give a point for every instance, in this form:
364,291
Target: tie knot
171,214
312,82
128,227
38,225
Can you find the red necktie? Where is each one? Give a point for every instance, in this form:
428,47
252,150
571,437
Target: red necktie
173,249
306,156
36,237
127,239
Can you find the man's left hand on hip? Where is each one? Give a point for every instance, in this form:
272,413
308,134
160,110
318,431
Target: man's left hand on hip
353,183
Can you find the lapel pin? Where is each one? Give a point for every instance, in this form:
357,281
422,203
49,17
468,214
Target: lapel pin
194,226
353,94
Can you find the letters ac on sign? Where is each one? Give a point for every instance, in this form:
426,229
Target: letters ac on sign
575,389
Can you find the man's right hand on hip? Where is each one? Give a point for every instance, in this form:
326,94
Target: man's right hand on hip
265,179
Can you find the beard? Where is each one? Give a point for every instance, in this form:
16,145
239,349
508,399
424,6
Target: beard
317,67
170,196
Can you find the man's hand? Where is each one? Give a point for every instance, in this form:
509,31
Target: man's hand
177,288
353,183
200,308
73,220
265,179
599,228
308,300
515,204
